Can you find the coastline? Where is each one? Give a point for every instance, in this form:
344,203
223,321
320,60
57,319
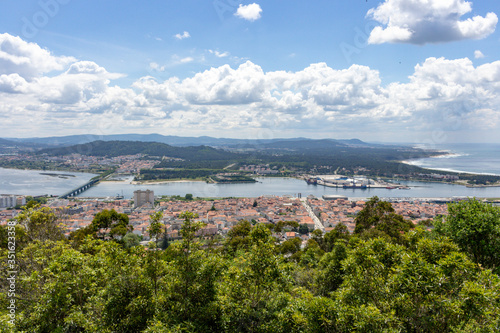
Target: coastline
412,162
159,182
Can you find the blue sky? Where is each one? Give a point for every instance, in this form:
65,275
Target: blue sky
423,71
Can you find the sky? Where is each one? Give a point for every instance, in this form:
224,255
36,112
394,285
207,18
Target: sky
419,71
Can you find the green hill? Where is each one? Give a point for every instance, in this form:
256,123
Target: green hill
118,148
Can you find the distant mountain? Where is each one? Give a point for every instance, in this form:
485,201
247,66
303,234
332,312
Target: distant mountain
18,145
118,148
4,143
181,141
167,139
304,144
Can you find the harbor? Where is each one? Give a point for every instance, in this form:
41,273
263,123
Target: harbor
356,182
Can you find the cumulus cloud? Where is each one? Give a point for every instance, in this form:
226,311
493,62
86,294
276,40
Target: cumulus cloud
448,94
27,59
478,54
250,12
155,67
184,35
186,60
428,21
219,54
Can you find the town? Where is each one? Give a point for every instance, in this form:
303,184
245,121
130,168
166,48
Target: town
220,215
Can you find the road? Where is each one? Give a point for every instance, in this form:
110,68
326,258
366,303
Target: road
229,166
317,222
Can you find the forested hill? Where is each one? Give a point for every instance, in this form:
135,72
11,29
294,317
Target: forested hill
118,148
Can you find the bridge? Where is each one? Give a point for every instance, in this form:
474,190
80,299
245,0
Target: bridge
79,190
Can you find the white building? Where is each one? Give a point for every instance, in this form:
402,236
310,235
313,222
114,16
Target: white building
7,201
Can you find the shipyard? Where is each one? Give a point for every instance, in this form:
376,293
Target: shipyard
361,182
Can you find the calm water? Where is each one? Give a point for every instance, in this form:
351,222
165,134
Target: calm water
475,158
288,186
32,182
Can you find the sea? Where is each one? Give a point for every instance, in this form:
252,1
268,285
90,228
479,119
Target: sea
469,157
474,158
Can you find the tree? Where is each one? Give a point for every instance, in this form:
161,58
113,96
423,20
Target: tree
475,227
131,240
254,291
377,219
156,229
371,214
40,223
340,232
190,297
116,223
303,229
330,272
238,237
188,197
290,246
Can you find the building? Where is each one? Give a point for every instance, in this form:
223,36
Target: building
7,201
143,197
334,197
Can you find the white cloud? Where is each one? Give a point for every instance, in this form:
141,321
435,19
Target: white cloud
219,54
186,60
226,86
250,12
27,59
478,54
441,94
13,83
184,35
428,21
155,67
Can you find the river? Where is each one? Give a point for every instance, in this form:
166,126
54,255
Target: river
33,182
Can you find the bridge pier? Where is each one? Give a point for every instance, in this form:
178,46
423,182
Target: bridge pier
79,190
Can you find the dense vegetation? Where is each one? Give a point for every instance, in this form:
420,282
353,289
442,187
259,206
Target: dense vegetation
119,148
386,277
292,157
157,174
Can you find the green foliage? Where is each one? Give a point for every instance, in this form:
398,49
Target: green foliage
377,219
290,246
331,273
40,223
156,229
118,148
475,227
303,229
30,201
337,283
182,173
254,287
131,240
339,233
116,223
238,237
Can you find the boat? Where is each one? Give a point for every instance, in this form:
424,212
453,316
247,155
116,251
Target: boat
312,181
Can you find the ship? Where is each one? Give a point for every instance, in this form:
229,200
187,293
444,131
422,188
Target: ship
355,186
312,181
